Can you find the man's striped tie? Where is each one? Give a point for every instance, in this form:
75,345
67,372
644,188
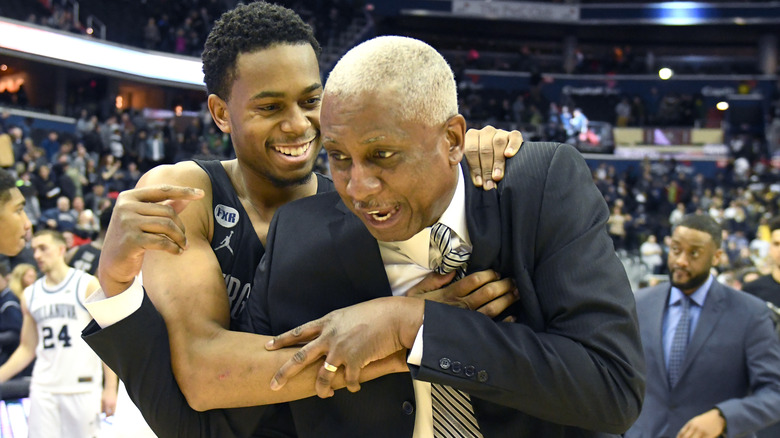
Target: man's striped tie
680,342
453,415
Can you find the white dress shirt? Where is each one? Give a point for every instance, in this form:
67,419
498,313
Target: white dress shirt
406,263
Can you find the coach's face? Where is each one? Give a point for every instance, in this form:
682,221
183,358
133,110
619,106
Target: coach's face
397,176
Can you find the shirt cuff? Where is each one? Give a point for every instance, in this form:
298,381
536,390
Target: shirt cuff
109,311
416,353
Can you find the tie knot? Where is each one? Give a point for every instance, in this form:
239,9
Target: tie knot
454,255
685,302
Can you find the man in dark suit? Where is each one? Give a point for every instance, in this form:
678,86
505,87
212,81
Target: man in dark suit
583,367
568,363
713,359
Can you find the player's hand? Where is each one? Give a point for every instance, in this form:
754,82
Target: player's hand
108,402
707,425
351,337
482,291
143,219
486,150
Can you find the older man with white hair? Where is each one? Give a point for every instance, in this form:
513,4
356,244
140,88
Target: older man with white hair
565,361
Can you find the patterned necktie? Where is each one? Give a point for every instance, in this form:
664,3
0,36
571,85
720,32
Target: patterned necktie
679,342
453,415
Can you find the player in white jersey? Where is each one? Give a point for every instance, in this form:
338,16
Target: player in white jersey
67,390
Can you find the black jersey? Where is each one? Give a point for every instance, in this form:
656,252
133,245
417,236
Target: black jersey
235,242
86,258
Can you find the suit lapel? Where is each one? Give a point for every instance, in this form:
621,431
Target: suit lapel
483,219
354,243
708,319
654,324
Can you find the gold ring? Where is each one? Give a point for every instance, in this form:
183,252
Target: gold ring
330,367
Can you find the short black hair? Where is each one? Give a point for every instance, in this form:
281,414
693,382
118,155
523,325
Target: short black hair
774,224
244,29
7,182
705,223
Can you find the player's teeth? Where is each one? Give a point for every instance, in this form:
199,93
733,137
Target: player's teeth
295,152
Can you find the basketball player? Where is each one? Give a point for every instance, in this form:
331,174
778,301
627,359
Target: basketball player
14,223
65,391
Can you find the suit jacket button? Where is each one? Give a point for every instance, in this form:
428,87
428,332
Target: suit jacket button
457,367
482,376
470,370
444,363
407,407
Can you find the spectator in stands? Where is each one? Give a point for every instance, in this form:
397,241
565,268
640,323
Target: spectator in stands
152,150
115,144
709,373
651,254
92,137
151,34
95,199
616,225
579,126
51,145
87,224
46,186
61,218
677,214
22,276
623,112
767,287
83,124
638,112
107,171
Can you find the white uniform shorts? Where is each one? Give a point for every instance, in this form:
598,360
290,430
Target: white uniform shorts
64,415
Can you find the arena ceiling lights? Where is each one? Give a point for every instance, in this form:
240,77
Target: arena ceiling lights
45,45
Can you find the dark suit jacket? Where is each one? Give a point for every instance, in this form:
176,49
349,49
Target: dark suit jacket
138,351
570,365
732,363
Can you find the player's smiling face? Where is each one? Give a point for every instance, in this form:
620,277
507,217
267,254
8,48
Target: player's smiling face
273,112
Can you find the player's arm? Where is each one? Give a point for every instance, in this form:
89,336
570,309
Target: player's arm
109,395
25,353
215,367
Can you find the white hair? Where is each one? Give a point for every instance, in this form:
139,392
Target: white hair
417,75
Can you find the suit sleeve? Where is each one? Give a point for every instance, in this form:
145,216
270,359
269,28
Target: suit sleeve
762,407
137,349
583,364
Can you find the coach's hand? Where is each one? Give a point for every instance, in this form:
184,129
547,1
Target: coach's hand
351,337
482,291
